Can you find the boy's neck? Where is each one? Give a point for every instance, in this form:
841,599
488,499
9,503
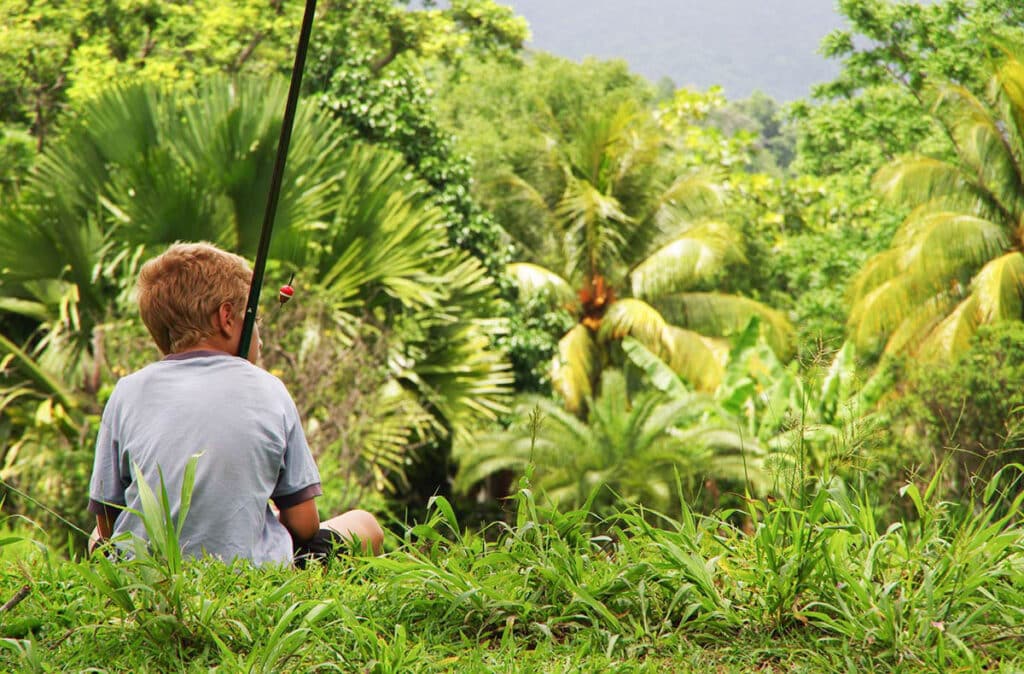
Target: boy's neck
189,354
211,344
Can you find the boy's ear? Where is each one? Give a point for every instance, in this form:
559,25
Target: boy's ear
225,318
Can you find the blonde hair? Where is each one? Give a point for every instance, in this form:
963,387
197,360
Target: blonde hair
180,290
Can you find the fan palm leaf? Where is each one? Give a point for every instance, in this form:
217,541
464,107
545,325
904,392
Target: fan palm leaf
385,237
229,138
457,368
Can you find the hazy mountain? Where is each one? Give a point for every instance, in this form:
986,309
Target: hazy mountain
742,45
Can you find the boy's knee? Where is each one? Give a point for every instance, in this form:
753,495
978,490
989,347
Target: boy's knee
374,531
359,524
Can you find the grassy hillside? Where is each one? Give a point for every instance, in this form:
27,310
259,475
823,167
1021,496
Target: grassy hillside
815,585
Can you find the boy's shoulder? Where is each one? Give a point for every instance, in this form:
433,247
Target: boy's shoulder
200,365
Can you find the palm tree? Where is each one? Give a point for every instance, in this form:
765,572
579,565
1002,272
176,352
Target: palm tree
635,256
385,252
956,262
633,449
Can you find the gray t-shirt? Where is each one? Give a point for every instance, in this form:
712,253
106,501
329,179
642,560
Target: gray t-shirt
243,422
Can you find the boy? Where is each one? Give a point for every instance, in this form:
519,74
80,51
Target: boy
203,398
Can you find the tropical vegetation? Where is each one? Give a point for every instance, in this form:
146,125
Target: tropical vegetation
639,377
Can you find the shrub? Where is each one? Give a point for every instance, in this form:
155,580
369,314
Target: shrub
969,411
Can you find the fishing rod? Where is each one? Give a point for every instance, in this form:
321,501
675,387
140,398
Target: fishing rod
252,304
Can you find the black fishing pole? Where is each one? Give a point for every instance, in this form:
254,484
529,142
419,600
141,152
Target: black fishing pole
249,321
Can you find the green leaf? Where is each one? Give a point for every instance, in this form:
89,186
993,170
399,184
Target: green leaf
575,367
661,376
187,487
699,253
531,279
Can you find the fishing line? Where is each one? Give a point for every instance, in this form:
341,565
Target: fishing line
7,485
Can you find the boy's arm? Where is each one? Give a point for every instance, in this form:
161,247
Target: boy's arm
105,526
301,520
298,482
106,488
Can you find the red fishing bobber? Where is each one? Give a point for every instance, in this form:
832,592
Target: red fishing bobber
286,292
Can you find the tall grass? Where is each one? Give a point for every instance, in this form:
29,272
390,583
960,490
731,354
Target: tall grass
806,583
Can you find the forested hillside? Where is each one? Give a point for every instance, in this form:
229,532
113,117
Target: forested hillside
739,45
639,376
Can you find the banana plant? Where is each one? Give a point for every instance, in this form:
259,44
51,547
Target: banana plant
784,410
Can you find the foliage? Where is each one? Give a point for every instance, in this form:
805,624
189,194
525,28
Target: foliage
503,131
171,171
968,411
45,464
349,216
806,240
855,137
954,263
369,73
361,425
500,130
890,51
392,108
798,422
61,53
16,152
637,449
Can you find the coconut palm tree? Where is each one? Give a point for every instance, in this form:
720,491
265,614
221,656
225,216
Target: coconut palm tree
634,255
956,262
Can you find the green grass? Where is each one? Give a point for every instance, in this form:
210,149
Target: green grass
778,587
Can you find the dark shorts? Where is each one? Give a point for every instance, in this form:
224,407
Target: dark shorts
325,544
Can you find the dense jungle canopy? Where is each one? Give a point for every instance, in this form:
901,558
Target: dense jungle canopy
681,281
639,377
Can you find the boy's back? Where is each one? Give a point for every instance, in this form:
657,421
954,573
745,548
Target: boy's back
246,426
